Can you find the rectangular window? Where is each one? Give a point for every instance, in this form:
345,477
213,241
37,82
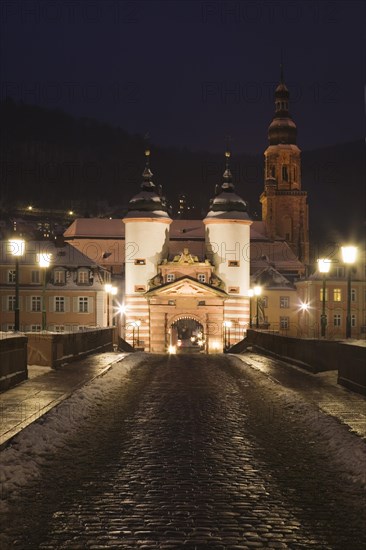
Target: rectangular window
339,272
265,301
83,277
284,302
59,328
321,295
284,322
171,302
233,290
337,295
11,276
202,303
35,328
337,320
140,261
35,278
11,303
83,305
353,320
170,277
353,295
59,277
201,277
233,263
35,303
140,288
59,304
10,328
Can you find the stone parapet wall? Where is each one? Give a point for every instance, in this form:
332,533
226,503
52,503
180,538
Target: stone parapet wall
313,355
55,349
13,360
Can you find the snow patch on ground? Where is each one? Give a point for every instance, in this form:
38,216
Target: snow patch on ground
37,370
347,448
20,462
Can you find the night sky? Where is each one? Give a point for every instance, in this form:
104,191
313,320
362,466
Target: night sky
191,73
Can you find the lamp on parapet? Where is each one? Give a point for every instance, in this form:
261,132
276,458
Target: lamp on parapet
250,294
323,266
44,261
227,326
17,247
257,292
349,254
110,291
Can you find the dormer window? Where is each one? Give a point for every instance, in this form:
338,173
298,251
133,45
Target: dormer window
59,277
83,277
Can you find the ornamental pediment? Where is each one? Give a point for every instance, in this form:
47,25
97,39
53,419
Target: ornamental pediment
186,287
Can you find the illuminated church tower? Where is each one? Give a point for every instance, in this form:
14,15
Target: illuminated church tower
284,204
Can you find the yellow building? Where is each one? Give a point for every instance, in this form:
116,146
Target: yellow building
67,295
336,299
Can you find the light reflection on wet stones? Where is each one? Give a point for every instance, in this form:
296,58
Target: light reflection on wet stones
201,458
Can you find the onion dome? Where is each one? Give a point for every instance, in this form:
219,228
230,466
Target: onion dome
282,128
149,203
227,204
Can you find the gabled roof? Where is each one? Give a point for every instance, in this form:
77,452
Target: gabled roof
186,286
96,228
66,255
271,279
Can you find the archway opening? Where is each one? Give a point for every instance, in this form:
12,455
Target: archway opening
187,335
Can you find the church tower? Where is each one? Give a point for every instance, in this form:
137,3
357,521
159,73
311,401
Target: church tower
146,244
227,241
284,204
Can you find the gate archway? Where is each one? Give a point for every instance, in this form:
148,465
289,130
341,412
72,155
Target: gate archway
187,334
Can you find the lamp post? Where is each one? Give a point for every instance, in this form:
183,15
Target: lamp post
250,294
122,311
349,254
110,290
227,326
17,249
44,261
257,292
138,323
323,266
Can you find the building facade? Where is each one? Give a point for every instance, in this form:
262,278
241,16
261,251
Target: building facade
66,296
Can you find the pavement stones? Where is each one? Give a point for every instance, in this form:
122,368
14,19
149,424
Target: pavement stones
191,459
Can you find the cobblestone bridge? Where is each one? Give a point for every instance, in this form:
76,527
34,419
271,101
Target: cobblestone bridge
190,452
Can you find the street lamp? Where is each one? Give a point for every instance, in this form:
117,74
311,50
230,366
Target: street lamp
323,267
17,247
122,309
227,326
138,323
250,294
257,292
44,261
349,254
110,290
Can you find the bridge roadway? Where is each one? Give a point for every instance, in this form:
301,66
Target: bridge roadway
190,452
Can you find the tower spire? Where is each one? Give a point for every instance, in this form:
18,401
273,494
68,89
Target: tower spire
147,174
228,177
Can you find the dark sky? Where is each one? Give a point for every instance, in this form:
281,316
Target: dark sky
191,73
